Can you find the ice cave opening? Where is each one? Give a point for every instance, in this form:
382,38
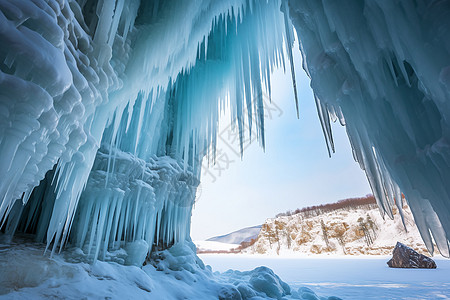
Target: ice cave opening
109,107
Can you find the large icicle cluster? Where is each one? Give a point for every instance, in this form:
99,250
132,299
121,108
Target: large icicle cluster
383,69
145,83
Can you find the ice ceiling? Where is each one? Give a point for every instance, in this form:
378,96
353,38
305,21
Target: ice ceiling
108,107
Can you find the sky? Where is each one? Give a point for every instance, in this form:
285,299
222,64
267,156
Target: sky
294,171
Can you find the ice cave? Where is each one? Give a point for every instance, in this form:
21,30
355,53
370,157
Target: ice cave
109,107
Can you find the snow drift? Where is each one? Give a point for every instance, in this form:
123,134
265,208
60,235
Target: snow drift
175,273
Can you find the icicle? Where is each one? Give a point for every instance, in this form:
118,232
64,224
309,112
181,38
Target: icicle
289,44
322,117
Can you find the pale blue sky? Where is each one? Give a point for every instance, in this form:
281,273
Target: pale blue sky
293,172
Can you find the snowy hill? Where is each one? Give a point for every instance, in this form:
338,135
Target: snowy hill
215,247
228,243
239,236
351,231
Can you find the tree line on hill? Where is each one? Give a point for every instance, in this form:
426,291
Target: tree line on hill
367,202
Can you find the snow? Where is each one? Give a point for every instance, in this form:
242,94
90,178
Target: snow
347,277
27,274
176,273
238,236
203,246
228,242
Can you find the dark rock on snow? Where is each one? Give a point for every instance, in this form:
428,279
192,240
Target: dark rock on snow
405,257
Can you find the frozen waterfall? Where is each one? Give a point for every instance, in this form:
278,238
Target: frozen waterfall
109,107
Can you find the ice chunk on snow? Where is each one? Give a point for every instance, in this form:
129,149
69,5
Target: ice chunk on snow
137,253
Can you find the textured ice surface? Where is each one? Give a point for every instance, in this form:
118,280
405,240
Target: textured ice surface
108,107
381,68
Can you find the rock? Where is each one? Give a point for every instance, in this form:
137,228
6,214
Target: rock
405,257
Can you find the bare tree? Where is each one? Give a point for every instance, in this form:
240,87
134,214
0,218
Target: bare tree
339,234
364,228
267,232
288,237
372,225
368,202
325,234
279,227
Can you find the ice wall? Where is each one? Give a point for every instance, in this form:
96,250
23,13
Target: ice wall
108,107
382,68
145,83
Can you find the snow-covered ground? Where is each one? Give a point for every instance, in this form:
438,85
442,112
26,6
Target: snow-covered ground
172,274
347,277
203,246
26,273
178,274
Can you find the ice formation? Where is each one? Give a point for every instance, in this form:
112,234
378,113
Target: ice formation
108,107
383,69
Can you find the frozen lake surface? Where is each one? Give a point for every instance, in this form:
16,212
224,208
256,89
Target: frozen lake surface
346,277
